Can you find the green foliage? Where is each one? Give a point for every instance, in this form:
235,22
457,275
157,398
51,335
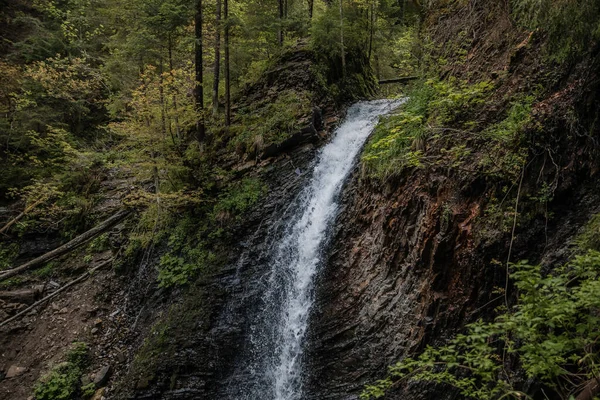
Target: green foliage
63,381
589,238
551,331
271,121
505,153
454,99
571,26
8,253
400,140
193,241
238,198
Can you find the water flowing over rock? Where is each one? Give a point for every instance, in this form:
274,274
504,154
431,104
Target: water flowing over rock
274,362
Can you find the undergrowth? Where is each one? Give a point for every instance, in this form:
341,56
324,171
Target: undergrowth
571,26
270,122
551,333
63,381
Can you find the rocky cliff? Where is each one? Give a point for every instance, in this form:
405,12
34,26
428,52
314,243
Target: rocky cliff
417,257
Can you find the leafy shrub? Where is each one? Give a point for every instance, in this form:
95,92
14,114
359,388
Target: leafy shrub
8,253
192,240
505,153
552,332
238,198
63,381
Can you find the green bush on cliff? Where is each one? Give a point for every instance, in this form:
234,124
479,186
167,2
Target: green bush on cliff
399,140
552,332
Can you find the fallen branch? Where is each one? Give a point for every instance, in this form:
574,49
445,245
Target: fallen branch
67,247
53,294
16,219
403,79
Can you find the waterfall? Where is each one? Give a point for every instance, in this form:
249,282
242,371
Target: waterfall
278,335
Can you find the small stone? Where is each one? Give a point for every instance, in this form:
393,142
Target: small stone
102,376
98,322
121,357
99,394
63,310
95,330
15,371
55,307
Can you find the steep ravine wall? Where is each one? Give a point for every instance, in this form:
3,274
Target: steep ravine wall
413,259
408,269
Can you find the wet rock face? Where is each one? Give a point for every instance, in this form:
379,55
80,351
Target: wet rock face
410,264
402,271
204,363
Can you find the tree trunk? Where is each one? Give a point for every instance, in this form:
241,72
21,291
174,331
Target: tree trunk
280,32
199,91
227,77
65,248
16,219
175,106
343,50
372,29
217,68
311,4
161,99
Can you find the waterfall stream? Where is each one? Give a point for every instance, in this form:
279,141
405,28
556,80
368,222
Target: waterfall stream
278,334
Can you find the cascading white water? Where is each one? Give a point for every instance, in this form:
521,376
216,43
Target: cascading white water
297,256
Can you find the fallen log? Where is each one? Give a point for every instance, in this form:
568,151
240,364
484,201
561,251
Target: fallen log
67,247
23,296
53,294
403,79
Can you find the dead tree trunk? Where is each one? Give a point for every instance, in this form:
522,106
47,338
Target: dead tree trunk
217,68
67,247
199,91
280,31
227,78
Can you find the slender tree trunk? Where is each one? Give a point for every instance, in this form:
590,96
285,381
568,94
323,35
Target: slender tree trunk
217,68
402,10
161,98
175,106
199,91
372,30
311,4
280,32
227,69
343,50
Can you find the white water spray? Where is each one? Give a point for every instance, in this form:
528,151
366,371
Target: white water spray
298,254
